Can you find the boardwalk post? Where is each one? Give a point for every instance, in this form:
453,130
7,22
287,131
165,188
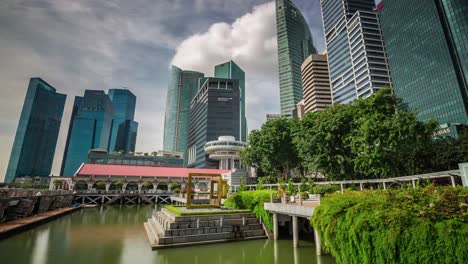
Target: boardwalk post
360,186
414,183
295,231
341,187
275,226
318,245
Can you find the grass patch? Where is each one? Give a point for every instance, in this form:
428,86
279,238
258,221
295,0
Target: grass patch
179,212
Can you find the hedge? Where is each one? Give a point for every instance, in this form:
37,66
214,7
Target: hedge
253,200
424,225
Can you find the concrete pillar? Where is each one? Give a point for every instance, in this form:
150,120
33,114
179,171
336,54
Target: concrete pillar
295,231
414,183
452,178
342,187
384,186
108,184
275,226
140,185
360,186
318,245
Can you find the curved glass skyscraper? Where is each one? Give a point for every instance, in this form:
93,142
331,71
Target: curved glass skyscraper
294,45
183,85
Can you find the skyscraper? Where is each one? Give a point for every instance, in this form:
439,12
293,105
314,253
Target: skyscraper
124,128
214,112
183,85
90,128
33,149
294,45
356,52
316,82
231,70
427,48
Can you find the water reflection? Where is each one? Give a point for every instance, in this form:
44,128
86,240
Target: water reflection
114,234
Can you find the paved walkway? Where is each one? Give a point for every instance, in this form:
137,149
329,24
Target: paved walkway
19,225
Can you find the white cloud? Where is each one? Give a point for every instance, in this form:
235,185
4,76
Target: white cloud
250,41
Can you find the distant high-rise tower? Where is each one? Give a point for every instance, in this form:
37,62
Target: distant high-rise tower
294,45
427,46
230,70
183,85
316,82
90,128
356,52
124,128
214,112
38,128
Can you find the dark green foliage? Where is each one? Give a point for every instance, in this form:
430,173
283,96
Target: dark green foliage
423,225
323,189
271,149
253,200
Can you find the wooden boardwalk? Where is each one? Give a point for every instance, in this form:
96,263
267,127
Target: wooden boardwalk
16,226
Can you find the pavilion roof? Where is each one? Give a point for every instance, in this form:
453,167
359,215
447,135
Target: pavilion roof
137,171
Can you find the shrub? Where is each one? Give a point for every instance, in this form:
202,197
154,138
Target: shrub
291,189
423,225
323,189
253,200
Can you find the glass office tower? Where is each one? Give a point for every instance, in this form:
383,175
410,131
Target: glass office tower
214,112
294,46
38,128
230,70
124,128
356,52
183,85
90,128
427,45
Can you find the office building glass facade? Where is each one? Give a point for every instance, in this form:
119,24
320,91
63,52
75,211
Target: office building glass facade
90,128
214,112
183,85
36,136
294,46
124,128
427,51
231,70
356,51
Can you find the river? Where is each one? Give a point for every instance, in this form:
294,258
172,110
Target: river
113,234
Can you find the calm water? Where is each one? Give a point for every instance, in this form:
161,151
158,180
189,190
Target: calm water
113,234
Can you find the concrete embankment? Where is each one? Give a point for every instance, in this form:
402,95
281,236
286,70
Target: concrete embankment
17,226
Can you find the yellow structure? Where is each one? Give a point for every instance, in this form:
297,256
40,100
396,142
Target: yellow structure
218,190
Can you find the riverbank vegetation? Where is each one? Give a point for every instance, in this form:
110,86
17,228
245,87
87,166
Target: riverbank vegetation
370,138
253,200
422,225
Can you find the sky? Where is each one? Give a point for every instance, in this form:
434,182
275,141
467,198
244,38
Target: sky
76,45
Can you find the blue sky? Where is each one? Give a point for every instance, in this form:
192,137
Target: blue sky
87,44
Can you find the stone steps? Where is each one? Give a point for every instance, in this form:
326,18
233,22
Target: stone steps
166,229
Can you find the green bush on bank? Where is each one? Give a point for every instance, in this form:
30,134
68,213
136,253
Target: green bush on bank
253,200
424,225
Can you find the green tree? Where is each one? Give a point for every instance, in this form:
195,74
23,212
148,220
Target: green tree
271,149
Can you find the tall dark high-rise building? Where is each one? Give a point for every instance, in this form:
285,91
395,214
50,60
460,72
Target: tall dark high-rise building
124,128
294,45
38,128
214,112
356,51
90,128
231,70
427,46
183,85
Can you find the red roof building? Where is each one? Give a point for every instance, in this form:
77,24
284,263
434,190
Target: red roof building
141,171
